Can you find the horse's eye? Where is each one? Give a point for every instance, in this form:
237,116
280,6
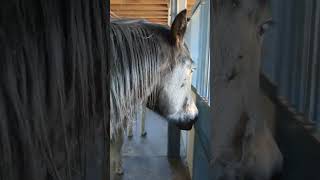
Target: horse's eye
264,27
193,67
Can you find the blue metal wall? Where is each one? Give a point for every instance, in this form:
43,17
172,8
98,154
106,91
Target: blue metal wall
290,59
197,38
201,169
291,55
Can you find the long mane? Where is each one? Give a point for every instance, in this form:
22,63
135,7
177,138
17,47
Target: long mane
53,90
137,58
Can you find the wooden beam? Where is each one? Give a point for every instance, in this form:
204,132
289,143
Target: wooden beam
140,15
141,12
158,20
138,2
133,16
190,4
155,11
139,7
173,148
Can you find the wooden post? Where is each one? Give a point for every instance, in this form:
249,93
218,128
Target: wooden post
173,141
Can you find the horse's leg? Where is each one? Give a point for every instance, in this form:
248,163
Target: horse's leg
143,119
115,156
130,128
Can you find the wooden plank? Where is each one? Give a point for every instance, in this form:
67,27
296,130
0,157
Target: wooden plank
149,19
161,20
190,4
155,11
142,16
132,16
139,7
158,4
173,141
138,2
140,13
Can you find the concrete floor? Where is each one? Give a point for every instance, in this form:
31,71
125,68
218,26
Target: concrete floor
145,158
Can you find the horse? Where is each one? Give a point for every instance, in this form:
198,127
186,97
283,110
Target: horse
150,63
242,143
143,131
142,108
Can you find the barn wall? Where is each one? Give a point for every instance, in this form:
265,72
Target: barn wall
291,55
290,83
299,147
291,67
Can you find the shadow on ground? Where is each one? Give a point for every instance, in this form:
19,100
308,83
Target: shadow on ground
144,158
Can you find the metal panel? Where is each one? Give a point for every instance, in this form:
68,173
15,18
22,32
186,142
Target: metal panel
315,59
285,53
201,164
299,12
294,51
198,39
201,170
317,103
305,56
316,115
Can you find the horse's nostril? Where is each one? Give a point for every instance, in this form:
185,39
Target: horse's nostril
186,125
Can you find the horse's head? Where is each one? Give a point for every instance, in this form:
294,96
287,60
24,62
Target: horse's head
239,28
238,32
175,100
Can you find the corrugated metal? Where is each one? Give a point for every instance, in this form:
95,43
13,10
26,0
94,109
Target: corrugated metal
292,57
197,38
201,167
291,60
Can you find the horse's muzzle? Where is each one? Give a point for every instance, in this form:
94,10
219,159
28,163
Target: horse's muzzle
186,125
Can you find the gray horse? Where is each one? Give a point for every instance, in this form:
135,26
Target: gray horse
142,108
149,63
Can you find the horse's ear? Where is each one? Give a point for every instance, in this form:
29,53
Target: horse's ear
179,27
